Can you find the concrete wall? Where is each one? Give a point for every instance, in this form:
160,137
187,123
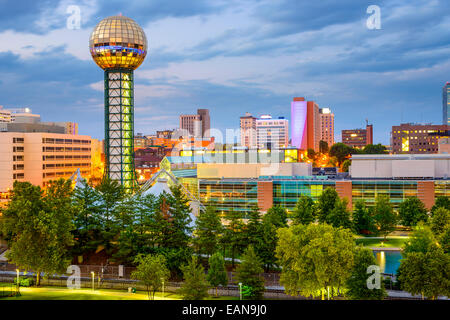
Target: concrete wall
397,167
251,170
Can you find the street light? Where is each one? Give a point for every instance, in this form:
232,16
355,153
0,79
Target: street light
93,277
18,280
240,290
162,287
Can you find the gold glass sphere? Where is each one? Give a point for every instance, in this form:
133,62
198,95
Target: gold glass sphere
118,42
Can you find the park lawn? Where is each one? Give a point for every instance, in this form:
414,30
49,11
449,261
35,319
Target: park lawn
389,243
58,293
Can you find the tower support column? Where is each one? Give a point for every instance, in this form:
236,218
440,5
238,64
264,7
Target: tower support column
119,126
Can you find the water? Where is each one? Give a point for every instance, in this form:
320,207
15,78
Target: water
389,261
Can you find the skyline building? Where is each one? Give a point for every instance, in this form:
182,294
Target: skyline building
197,125
305,124
417,138
326,126
248,131
446,104
272,133
38,157
118,45
358,138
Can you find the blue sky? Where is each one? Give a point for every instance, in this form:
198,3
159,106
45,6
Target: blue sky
234,56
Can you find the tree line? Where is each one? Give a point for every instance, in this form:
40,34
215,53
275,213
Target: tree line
45,229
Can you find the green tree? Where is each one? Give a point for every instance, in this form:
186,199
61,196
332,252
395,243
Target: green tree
426,273
254,228
411,211
249,273
362,219
208,230
217,274
276,215
420,240
179,214
441,201
384,216
303,212
439,220
326,203
87,219
323,146
111,193
38,227
195,286
314,258
234,235
374,149
444,239
340,216
357,283
340,151
151,271
346,165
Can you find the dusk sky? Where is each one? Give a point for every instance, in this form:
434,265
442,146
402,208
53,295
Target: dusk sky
234,56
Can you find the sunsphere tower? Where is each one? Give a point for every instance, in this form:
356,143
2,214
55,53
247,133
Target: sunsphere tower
118,45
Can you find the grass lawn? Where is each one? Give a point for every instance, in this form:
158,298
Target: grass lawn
390,242
58,293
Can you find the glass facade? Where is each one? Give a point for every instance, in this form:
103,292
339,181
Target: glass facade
118,42
287,192
442,189
446,104
396,190
227,195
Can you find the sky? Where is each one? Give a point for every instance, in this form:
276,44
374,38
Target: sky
232,57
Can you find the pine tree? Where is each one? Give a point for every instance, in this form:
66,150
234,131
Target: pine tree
217,274
234,235
254,230
249,273
87,219
362,219
208,230
340,216
325,204
303,212
195,286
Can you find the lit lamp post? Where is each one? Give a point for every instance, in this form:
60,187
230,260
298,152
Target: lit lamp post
240,290
162,287
18,281
93,277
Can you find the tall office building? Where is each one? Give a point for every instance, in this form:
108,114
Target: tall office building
305,124
358,138
248,131
5,115
446,104
198,125
326,126
313,129
417,138
272,133
206,121
38,157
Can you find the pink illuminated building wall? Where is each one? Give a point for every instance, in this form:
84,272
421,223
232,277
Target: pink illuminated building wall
299,111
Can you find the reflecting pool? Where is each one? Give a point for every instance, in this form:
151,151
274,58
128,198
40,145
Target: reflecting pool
389,261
